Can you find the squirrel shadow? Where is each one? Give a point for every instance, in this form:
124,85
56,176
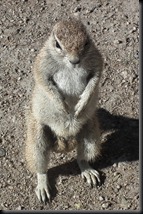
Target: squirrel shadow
121,144
68,168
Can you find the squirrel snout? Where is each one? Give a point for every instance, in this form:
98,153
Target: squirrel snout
74,60
77,61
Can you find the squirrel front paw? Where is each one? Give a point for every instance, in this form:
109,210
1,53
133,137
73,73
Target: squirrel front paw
79,108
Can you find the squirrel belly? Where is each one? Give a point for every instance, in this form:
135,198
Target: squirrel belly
64,125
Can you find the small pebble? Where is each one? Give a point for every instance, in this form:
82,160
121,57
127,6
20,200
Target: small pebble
77,205
19,208
2,152
105,205
19,78
118,187
32,50
115,165
101,198
77,9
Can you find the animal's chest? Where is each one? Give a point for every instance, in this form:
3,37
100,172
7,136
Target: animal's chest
71,82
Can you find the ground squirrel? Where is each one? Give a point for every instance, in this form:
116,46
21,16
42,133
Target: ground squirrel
67,71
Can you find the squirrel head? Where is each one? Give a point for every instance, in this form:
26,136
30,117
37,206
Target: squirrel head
69,40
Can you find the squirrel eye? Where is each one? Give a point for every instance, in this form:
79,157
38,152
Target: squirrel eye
57,45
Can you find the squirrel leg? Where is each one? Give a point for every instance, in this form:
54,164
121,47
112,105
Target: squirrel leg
37,156
88,149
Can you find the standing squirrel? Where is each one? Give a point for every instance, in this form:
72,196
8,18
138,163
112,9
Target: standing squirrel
62,114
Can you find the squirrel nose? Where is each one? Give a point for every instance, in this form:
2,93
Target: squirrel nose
77,61
74,60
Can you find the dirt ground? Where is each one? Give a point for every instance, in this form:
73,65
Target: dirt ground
114,26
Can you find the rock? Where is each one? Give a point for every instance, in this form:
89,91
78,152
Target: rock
77,205
19,208
77,9
101,198
118,187
2,152
105,205
115,165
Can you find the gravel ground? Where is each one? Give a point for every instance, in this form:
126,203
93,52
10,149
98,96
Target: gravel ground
114,26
